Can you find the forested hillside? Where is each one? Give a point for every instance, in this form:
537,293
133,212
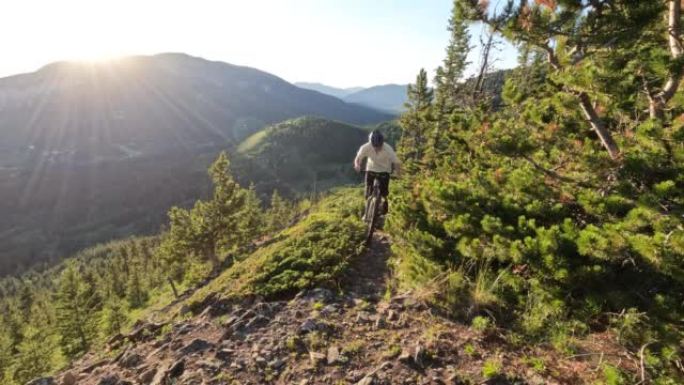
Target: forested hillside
50,317
77,139
304,154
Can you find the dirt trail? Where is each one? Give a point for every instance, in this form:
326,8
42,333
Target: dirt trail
369,273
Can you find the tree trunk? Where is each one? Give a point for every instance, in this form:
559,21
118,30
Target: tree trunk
658,103
598,126
484,65
173,287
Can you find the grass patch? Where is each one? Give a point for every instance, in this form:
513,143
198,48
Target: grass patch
315,251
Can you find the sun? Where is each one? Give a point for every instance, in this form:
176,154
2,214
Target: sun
96,55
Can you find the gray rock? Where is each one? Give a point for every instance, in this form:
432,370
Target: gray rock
308,326
230,321
147,376
260,361
405,356
363,318
111,379
257,322
276,363
319,294
330,309
195,346
316,357
42,381
224,354
185,309
175,370
334,355
130,360
419,355
182,328
367,380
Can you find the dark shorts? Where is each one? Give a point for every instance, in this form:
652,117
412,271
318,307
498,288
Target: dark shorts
383,177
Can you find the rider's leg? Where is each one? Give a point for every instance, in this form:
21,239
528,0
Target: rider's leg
370,178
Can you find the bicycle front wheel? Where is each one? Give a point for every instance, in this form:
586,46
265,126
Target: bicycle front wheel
372,218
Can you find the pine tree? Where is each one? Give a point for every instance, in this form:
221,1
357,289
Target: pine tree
25,299
218,221
125,259
6,347
113,317
116,276
211,228
135,293
448,86
586,36
416,122
34,355
450,92
76,305
419,94
179,242
279,213
252,220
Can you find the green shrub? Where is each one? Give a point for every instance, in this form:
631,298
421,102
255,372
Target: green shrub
314,251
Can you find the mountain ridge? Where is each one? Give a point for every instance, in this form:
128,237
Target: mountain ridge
329,90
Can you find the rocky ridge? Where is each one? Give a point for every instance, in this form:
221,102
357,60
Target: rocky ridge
360,334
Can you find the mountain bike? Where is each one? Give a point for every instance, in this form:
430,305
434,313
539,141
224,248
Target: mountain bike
372,213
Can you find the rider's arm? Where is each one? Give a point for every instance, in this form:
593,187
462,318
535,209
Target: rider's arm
359,157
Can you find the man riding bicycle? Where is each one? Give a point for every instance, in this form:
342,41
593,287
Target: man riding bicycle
382,160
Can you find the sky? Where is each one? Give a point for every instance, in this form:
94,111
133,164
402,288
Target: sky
342,43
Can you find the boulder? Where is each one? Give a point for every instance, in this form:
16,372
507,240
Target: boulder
69,378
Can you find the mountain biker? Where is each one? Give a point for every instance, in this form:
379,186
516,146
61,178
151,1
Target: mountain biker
382,160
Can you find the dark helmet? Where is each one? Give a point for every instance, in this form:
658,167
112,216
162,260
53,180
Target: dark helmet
376,139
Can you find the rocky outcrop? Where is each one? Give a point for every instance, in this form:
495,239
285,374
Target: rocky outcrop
353,336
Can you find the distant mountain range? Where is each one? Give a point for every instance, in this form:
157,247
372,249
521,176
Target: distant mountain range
328,90
388,97
91,152
148,104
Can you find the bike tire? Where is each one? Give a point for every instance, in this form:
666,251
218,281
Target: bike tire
373,211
